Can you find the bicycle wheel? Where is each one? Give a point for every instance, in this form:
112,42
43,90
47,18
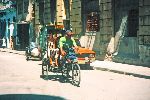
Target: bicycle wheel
45,70
64,70
76,77
27,57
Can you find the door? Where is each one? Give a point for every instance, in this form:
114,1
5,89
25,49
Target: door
23,35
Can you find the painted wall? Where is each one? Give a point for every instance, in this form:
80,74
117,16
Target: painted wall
10,28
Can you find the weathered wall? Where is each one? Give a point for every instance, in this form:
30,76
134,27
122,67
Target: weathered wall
106,29
60,12
22,10
75,16
125,46
144,31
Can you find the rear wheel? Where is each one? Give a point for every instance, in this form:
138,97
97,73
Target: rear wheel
76,77
27,57
64,70
45,69
27,54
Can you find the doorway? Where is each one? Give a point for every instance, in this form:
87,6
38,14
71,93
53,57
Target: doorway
23,35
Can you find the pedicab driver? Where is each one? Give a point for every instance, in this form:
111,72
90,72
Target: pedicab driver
67,39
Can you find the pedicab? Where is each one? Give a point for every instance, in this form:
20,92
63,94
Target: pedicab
66,65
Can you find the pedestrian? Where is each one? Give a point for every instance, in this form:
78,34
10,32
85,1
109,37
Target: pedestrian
11,43
4,42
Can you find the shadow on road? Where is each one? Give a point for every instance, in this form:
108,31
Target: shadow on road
34,59
56,74
56,77
86,67
29,97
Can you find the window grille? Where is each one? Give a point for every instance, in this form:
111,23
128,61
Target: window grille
92,22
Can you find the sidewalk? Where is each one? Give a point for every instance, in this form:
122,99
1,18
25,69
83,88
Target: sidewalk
12,51
137,71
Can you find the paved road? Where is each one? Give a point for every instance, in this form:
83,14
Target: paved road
17,76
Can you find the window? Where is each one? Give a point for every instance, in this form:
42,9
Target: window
92,22
19,8
26,4
14,19
41,12
133,23
53,10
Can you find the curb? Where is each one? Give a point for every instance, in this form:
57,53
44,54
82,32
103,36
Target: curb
123,72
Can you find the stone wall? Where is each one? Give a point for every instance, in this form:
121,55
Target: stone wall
104,36
22,10
60,12
75,16
144,31
37,22
47,14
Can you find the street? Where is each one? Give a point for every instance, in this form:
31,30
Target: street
18,76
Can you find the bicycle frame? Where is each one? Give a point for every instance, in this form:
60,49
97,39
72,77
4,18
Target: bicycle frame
71,65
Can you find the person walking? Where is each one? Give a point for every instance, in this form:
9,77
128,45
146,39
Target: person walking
4,42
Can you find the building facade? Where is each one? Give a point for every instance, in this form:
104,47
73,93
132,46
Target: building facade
116,30
124,31
7,24
144,31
